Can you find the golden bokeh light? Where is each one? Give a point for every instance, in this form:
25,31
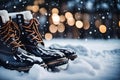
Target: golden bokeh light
86,25
35,8
41,1
119,23
62,18
79,24
86,16
36,2
48,36
68,15
53,28
55,10
78,16
71,21
97,23
102,28
55,19
29,7
61,27
43,11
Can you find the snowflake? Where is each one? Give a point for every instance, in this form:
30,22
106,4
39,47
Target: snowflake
103,17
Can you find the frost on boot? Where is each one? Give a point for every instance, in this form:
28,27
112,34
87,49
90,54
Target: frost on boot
34,44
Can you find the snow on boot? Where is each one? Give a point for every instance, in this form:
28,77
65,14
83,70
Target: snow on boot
32,40
69,53
11,49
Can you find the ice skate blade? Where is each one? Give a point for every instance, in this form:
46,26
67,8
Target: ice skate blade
57,62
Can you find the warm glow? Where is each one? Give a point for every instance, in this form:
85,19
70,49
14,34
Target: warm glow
53,28
61,27
68,15
97,23
35,8
56,19
86,17
55,10
102,28
48,36
43,11
78,16
62,18
71,21
41,1
29,7
119,23
86,25
79,24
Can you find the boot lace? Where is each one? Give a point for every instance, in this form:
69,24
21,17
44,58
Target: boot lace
10,34
33,31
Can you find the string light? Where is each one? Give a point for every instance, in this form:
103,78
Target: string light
102,29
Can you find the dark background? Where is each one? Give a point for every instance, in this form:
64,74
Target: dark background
110,9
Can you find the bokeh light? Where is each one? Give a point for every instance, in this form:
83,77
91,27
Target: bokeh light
53,28
68,15
98,23
43,11
86,25
35,8
119,23
55,18
71,21
78,16
61,27
79,24
62,18
48,36
55,10
102,28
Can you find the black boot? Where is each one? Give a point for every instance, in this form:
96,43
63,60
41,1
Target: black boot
33,42
12,53
33,37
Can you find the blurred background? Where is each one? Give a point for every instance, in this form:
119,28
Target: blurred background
73,19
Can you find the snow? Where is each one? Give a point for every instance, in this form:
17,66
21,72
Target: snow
97,60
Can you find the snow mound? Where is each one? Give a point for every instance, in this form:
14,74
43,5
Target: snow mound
91,64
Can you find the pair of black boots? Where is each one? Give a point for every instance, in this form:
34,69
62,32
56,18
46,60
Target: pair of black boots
21,45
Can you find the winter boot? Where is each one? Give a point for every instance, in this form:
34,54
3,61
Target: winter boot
31,32
12,53
32,40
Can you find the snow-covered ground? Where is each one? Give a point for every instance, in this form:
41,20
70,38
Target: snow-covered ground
97,60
